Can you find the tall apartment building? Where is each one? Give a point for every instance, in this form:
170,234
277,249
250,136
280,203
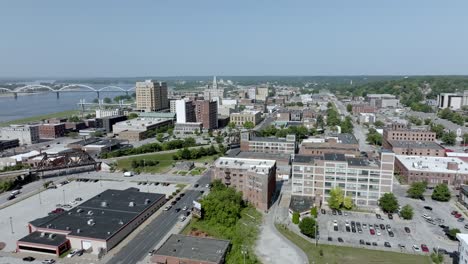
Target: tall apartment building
185,111
151,96
206,112
433,170
49,131
262,93
400,133
256,179
364,181
26,134
344,143
246,116
268,144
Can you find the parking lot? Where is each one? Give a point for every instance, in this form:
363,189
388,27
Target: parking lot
14,219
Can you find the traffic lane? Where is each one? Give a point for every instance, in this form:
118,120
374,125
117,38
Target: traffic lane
152,234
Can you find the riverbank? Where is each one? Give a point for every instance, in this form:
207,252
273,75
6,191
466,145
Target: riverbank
67,113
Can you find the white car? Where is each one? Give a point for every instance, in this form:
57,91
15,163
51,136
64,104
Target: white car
183,218
378,232
426,216
346,223
207,186
167,208
185,208
72,253
48,261
416,248
335,223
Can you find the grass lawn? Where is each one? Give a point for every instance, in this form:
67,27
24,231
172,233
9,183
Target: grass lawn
41,117
183,173
165,162
197,171
349,255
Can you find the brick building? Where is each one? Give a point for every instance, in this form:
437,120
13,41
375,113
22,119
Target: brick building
398,132
256,179
268,144
433,170
48,131
341,143
206,112
416,148
363,108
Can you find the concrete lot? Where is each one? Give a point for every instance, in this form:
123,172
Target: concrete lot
14,219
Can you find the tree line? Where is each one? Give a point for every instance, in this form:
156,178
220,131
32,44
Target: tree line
152,147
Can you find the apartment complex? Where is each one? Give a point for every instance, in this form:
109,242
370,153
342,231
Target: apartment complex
433,170
151,96
191,250
361,179
26,134
185,111
344,143
268,144
206,112
246,116
416,148
50,131
256,179
397,132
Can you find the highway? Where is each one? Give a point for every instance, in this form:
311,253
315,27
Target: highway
153,233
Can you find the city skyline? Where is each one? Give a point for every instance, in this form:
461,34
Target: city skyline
88,39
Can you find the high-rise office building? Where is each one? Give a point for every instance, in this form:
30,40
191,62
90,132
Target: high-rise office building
206,112
185,111
151,96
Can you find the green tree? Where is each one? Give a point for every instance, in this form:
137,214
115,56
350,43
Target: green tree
314,212
74,119
452,233
107,100
379,124
427,121
185,154
160,137
407,212
465,138
132,115
347,125
349,108
348,203
441,193
449,138
249,125
438,129
374,137
232,125
241,108
95,101
336,198
388,202
437,258
307,226
417,190
320,123
295,218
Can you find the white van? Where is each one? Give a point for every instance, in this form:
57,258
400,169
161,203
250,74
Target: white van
128,174
15,192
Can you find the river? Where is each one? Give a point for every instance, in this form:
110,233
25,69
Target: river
46,103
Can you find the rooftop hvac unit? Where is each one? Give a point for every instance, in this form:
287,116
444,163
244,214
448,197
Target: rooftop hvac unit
79,210
51,236
78,231
131,204
91,222
90,212
103,204
43,234
147,201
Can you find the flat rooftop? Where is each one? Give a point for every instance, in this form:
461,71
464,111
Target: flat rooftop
140,122
194,248
269,139
109,211
50,239
415,144
247,164
336,157
432,164
301,203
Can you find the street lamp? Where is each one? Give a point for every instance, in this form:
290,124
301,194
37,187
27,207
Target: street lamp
244,252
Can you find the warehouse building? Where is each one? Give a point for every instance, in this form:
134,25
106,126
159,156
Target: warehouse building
97,225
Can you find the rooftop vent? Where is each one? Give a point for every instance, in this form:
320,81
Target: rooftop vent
51,236
90,212
91,222
43,234
131,204
79,210
147,201
67,228
121,222
103,204
78,231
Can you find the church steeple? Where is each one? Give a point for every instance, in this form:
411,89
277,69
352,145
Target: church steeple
215,83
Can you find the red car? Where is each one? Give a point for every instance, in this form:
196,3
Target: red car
58,210
424,248
372,231
458,215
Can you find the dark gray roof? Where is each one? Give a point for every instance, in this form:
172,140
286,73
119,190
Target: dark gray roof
415,144
334,156
108,218
261,155
97,141
44,239
347,138
194,248
301,203
306,158
268,139
357,162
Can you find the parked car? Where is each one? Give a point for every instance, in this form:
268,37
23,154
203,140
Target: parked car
72,253
368,243
407,230
340,240
29,259
424,248
330,239
387,244
454,212
461,219
416,248
333,212
196,185
339,212
48,261
11,197
184,208
378,216
390,233
79,199
151,253
466,226
378,233
364,226
361,242
458,215
390,216
167,208
183,218
323,211
372,231
428,208
382,226
374,243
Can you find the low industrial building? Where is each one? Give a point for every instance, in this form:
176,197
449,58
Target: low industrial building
96,145
383,100
137,129
26,134
433,170
363,108
363,180
51,131
366,118
283,161
344,143
452,101
462,248
416,148
97,225
108,122
400,132
8,144
253,143
178,249
301,204
187,129
256,179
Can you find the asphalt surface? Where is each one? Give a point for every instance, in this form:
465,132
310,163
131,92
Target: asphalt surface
138,248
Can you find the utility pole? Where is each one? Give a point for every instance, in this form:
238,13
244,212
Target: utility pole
63,196
11,224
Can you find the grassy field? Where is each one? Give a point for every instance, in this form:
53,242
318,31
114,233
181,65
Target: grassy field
349,255
41,117
197,171
165,162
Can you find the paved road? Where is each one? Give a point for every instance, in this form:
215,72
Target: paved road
153,233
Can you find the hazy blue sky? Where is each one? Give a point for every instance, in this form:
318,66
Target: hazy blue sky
167,37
